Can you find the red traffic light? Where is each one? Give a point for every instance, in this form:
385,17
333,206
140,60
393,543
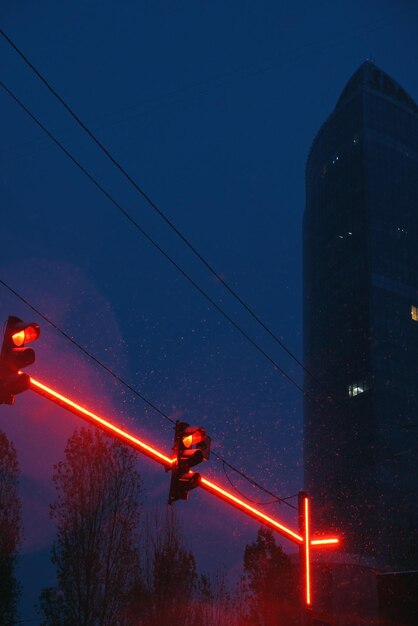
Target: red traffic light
14,357
196,436
193,435
191,446
28,334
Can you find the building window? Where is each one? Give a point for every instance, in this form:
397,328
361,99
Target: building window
357,388
414,313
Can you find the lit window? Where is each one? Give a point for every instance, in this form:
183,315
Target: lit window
357,388
414,313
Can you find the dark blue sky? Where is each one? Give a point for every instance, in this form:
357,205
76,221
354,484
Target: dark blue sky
212,108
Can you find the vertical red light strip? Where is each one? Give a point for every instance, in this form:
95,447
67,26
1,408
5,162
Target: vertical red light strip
307,551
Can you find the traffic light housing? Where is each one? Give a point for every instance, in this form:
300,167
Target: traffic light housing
15,356
191,447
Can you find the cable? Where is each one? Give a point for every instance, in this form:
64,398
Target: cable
276,498
125,384
153,242
86,352
166,255
235,488
148,199
159,211
294,495
262,65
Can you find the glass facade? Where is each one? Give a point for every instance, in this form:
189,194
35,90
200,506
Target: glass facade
360,337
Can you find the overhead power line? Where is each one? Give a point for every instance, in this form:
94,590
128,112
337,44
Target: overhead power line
275,498
166,255
148,199
132,389
155,207
185,275
154,243
86,352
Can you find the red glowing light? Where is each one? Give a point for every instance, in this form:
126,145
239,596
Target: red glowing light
196,437
159,456
240,504
303,539
188,441
28,334
307,551
325,542
99,421
19,338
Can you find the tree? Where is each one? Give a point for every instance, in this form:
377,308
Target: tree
96,552
269,584
172,592
10,529
170,573
214,605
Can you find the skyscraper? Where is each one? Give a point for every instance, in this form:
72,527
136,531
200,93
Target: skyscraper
361,320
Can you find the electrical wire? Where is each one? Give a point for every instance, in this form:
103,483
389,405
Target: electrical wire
121,381
161,250
260,66
86,352
328,397
306,394
154,243
154,206
252,500
162,215
174,228
276,500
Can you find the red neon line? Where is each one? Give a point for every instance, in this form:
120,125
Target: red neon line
325,542
92,417
240,504
158,456
307,552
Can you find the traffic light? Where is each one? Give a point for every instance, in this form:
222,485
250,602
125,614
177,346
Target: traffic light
191,447
14,356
